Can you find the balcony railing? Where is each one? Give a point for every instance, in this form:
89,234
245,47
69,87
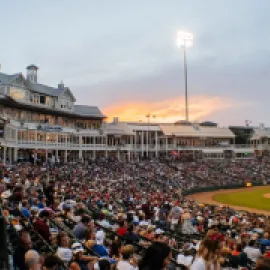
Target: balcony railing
132,147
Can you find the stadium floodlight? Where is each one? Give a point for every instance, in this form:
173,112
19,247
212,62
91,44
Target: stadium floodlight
185,40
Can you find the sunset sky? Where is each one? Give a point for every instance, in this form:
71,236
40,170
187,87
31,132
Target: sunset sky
121,55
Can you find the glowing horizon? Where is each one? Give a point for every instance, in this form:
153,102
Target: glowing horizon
170,110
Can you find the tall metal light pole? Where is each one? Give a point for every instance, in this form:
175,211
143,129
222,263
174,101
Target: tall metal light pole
185,40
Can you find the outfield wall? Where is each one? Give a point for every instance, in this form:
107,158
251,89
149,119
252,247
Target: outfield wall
216,188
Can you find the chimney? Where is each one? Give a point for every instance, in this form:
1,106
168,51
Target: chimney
61,86
31,73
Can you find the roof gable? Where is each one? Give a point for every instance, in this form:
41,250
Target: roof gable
85,110
8,79
67,93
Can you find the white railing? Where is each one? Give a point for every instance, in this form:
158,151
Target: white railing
133,147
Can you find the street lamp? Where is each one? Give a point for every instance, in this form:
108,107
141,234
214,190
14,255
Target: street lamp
185,40
148,117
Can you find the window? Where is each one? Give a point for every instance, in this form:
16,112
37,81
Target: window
42,100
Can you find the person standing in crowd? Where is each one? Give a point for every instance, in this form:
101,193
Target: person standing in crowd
175,216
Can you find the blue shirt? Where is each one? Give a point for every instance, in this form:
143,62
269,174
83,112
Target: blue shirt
100,250
25,212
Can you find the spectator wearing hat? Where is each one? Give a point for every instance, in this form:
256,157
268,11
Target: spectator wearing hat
80,261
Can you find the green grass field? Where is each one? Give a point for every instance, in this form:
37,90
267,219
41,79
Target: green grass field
249,197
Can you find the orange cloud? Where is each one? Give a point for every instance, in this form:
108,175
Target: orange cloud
170,110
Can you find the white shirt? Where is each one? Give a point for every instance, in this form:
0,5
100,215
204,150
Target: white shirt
252,253
65,254
199,264
185,260
124,265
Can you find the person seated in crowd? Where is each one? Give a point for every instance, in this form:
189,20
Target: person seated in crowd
25,209
102,264
79,260
127,262
80,230
64,252
208,255
156,257
41,226
25,244
263,263
32,260
99,248
265,242
51,262
252,251
130,236
238,258
122,230
187,257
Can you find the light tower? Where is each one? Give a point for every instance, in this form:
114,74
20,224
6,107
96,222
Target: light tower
185,40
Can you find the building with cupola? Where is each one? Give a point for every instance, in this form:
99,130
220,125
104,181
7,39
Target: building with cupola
40,123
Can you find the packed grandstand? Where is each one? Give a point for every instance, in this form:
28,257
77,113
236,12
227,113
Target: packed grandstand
108,214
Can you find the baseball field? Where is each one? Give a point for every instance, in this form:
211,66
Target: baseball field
253,199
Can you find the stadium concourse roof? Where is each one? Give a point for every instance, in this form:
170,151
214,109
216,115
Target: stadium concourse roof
170,129
118,128
196,131
260,133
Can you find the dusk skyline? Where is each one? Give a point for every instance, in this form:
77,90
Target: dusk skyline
122,56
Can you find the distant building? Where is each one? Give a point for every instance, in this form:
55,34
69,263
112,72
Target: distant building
40,123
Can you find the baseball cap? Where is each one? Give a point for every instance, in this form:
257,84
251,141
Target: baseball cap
77,247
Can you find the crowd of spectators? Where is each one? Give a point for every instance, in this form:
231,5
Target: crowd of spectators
106,214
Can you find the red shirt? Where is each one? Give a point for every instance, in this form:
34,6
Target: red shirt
43,229
122,231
